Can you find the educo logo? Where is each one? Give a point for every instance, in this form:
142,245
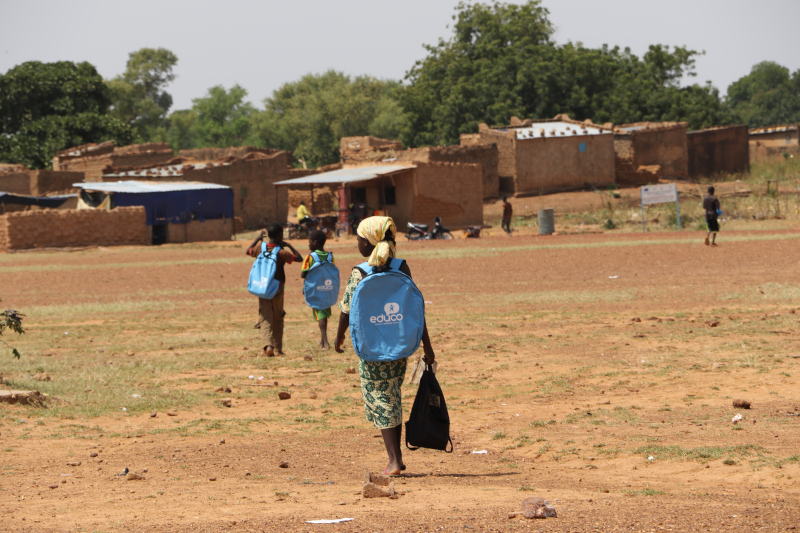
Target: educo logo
328,286
261,284
392,315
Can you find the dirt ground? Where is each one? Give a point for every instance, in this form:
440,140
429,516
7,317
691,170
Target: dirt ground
595,371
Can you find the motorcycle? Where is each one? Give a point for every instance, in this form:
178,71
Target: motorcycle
302,231
419,232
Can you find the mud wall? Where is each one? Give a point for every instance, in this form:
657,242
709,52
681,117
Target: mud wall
506,154
255,198
485,155
210,154
219,229
666,147
558,164
766,146
721,150
15,182
38,182
50,181
451,191
366,148
325,200
59,228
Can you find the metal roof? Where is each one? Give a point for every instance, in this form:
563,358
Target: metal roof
346,175
164,170
539,130
146,186
773,129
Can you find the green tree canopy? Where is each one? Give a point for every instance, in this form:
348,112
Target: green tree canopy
47,107
768,95
222,118
138,97
501,61
309,116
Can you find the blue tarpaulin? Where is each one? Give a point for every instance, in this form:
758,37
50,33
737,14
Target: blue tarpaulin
41,201
176,203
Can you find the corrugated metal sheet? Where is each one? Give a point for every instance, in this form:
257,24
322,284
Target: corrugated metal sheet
773,129
134,187
556,129
345,175
164,170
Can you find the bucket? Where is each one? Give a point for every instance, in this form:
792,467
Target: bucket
547,223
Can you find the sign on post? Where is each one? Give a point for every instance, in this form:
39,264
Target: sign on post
660,194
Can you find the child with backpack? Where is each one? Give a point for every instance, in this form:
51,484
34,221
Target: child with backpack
267,280
386,315
321,288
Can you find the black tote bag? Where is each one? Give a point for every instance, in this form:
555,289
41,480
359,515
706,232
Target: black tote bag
429,424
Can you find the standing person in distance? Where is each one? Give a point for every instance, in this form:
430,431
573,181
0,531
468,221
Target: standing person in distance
713,211
270,311
507,212
380,381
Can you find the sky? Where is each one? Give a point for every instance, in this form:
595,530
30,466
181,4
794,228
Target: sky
264,44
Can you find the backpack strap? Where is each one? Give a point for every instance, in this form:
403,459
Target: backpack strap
367,270
315,257
273,253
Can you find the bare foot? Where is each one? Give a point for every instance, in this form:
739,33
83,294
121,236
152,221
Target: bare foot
268,352
279,353
325,345
394,469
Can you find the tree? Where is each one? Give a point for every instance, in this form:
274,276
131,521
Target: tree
501,61
12,320
47,107
768,95
309,116
180,130
138,97
222,118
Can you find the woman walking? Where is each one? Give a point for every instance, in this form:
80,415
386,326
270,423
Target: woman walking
380,381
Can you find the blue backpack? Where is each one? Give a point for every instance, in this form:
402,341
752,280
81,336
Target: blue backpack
321,289
262,282
387,314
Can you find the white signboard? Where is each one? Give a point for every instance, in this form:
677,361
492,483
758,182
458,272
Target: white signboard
659,194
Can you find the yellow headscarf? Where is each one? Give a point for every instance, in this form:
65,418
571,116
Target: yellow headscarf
375,230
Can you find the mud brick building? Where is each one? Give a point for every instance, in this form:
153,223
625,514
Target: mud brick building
542,156
406,191
772,142
718,150
372,149
251,177
94,160
647,151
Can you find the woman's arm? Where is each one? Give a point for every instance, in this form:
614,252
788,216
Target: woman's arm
344,323
427,348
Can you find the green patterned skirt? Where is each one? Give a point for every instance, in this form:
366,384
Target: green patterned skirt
380,388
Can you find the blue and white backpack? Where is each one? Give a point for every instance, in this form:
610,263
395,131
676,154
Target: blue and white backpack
321,289
387,314
262,282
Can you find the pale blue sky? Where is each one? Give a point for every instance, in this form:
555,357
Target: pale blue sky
264,44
